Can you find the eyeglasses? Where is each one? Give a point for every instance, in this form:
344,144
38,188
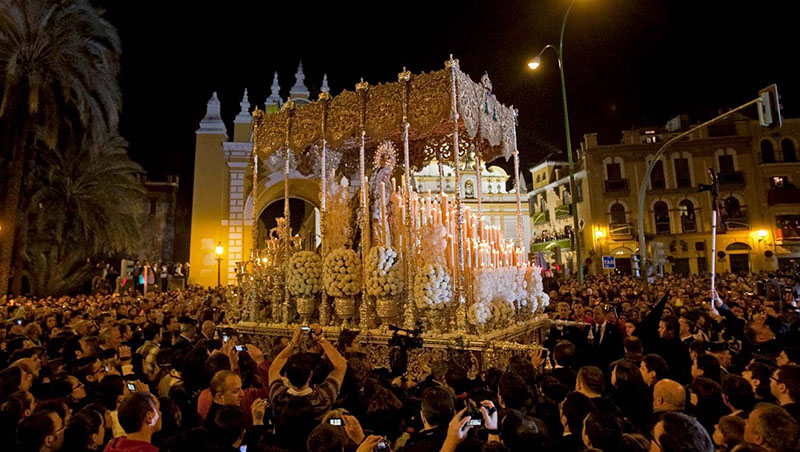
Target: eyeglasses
771,377
78,386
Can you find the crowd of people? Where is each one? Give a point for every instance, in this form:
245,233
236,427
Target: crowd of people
654,367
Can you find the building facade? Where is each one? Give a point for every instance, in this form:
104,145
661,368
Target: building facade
758,227
498,204
550,209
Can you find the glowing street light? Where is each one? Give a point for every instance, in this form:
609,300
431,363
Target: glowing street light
219,250
534,65
762,234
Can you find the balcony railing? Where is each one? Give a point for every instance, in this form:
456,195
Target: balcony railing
731,178
688,225
738,223
563,211
783,196
620,230
787,234
663,227
616,185
541,217
551,244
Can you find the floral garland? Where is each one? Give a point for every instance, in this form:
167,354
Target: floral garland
384,274
432,287
341,273
305,270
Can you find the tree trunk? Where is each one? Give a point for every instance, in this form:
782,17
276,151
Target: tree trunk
13,194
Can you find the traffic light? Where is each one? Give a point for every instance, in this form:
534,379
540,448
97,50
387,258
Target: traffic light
769,107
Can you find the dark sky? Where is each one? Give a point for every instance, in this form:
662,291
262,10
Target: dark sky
627,62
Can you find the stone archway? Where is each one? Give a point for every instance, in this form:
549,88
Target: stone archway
270,192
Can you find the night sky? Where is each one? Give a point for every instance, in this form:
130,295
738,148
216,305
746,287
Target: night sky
628,63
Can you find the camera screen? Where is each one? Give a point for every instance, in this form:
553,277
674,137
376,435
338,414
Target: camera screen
131,387
382,446
475,422
305,328
240,348
335,421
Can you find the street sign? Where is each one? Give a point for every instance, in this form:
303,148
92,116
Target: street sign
608,262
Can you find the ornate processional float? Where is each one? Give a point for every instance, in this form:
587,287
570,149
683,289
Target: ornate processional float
390,255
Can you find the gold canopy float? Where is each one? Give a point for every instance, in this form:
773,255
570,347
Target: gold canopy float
428,115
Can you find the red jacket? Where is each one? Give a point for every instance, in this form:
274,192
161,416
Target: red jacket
124,444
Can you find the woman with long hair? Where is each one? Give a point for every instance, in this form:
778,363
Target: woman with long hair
85,432
630,393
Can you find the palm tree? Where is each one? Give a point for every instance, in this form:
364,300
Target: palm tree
83,206
58,66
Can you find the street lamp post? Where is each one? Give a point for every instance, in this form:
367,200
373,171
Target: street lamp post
573,189
219,250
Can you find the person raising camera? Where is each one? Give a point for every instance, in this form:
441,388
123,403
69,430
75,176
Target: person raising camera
298,370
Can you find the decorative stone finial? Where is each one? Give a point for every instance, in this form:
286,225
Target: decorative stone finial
244,113
299,89
274,96
212,122
325,88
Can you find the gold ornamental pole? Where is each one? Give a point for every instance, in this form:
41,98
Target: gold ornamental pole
254,189
458,296
516,182
362,88
287,228
441,168
325,97
409,313
479,192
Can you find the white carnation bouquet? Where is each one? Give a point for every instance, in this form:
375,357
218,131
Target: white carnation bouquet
479,313
506,283
384,273
535,289
305,270
341,273
432,287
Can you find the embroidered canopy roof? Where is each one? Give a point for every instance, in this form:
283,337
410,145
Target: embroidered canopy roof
484,124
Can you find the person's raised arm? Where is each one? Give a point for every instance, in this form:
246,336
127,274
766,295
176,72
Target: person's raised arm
283,356
337,360
649,326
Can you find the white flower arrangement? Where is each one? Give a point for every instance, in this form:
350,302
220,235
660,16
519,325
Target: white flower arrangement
479,313
432,287
535,289
305,271
533,277
384,274
506,284
341,273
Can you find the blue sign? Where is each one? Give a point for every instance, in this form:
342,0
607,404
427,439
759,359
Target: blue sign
608,262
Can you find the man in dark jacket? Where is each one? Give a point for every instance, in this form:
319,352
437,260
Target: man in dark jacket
438,408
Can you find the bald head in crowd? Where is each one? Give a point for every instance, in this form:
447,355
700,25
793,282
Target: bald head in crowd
668,395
